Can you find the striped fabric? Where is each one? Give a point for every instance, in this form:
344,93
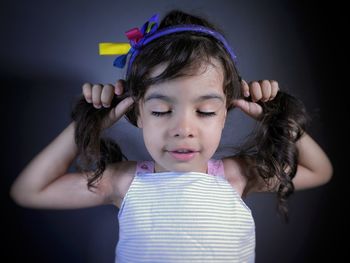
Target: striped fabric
184,217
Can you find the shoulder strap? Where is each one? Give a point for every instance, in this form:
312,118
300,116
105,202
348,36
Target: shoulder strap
216,168
145,167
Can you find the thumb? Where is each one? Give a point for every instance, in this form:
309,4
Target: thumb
121,108
252,109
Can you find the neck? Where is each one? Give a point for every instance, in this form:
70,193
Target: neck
182,168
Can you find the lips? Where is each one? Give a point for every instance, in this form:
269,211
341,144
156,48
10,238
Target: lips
183,154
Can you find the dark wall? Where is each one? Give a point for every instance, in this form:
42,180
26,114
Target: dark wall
49,49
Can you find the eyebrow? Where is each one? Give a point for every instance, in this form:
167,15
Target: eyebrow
168,99
211,96
158,96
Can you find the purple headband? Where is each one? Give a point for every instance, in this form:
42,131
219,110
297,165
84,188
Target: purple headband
148,33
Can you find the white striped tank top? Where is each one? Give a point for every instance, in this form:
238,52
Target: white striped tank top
184,217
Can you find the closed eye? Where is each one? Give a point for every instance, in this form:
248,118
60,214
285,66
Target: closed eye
160,113
206,114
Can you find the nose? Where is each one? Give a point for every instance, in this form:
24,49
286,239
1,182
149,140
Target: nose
184,126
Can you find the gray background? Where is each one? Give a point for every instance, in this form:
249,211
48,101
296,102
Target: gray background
50,48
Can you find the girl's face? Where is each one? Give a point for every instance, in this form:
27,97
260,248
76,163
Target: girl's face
182,119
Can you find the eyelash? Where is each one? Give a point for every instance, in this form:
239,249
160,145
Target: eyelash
202,114
160,114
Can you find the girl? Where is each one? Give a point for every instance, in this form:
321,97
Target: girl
182,206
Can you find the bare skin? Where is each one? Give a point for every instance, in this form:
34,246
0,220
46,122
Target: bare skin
45,182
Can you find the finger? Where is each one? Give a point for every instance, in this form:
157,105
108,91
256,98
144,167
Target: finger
87,92
245,88
96,95
119,87
250,108
265,90
120,109
255,91
107,95
274,89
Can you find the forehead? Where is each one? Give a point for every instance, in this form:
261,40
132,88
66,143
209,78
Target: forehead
206,78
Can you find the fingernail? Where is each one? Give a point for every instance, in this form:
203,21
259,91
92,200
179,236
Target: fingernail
106,105
97,106
130,100
246,93
117,91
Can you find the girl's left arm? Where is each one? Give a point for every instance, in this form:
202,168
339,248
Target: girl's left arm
314,167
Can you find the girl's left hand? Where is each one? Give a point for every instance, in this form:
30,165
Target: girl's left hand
263,90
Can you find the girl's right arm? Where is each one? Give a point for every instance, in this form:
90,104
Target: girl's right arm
45,183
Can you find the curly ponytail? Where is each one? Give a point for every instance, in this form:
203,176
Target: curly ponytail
94,152
272,153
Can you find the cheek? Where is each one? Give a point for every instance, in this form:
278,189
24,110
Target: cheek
152,141
214,131
151,131
220,122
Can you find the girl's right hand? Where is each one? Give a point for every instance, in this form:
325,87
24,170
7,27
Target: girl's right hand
102,96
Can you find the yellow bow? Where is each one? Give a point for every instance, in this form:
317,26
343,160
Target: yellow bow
114,48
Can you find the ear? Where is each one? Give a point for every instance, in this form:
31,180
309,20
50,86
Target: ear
138,116
139,122
224,119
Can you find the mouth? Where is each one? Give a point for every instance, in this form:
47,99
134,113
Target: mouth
183,154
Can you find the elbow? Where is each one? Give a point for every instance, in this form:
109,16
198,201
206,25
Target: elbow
19,196
325,171
16,196
326,174
329,173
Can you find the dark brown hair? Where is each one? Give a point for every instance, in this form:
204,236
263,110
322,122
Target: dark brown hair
270,153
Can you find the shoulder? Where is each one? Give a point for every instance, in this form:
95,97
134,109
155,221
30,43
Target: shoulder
246,176
234,173
120,176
